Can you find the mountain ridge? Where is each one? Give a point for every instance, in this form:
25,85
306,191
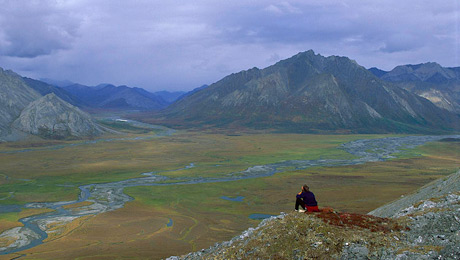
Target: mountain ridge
440,85
109,96
306,93
24,111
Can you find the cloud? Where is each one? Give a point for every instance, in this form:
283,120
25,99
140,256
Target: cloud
33,28
400,42
184,44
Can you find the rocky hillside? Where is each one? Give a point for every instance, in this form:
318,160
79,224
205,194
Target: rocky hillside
310,93
434,189
51,117
426,228
15,95
430,80
23,111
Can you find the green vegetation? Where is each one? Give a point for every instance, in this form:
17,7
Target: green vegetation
53,175
199,216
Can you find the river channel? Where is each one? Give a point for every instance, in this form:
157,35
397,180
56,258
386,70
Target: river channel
104,197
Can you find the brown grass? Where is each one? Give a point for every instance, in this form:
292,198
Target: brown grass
200,218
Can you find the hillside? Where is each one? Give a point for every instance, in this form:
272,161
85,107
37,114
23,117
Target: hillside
15,95
430,80
51,117
309,93
24,111
428,228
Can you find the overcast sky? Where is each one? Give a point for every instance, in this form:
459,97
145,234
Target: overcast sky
180,45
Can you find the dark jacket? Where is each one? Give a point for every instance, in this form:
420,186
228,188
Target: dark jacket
308,198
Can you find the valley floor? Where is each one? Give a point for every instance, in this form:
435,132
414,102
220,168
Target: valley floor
176,219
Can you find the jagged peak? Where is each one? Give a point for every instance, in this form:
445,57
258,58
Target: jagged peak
311,56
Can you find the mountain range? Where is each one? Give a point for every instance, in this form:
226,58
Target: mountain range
306,93
108,96
430,80
310,93
29,106
24,111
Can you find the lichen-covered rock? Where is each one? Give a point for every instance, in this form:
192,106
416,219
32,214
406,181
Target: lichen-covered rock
51,117
434,227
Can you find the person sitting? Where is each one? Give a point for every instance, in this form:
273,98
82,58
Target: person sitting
306,199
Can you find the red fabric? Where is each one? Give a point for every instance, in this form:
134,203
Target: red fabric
312,209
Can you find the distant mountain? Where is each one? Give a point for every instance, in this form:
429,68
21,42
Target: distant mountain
168,96
310,93
430,80
111,97
430,72
52,117
44,88
57,83
24,111
377,72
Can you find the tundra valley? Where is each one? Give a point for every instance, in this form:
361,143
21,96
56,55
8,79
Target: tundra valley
189,130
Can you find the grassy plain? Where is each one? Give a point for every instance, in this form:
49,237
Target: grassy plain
198,214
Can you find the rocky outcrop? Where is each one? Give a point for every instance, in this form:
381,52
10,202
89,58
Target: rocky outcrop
424,225
15,95
433,228
51,117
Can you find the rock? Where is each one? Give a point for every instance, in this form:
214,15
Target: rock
15,95
51,117
354,251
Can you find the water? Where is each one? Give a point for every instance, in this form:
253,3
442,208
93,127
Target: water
259,216
238,199
109,196
9,208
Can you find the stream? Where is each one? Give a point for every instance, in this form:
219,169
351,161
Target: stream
110,196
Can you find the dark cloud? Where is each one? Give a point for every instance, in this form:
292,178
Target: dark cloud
184,44
32,28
